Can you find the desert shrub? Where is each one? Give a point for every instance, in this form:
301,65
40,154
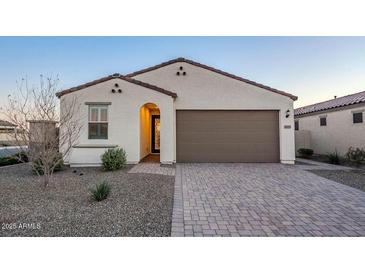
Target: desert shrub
114,158
7,161
17,158
38,165
333,158
21,156
356,155
305,152
100,191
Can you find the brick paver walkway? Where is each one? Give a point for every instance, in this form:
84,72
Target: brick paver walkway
263,200
153,168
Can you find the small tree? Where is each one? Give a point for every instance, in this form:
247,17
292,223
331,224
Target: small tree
41,128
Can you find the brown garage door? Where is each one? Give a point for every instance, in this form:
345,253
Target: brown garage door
219,136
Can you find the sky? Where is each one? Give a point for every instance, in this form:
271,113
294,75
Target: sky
313,68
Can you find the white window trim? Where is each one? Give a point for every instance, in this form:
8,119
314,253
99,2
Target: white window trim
98,107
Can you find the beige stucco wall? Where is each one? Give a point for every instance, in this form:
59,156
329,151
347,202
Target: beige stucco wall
7,137
302,139
124,121
339,134
203,89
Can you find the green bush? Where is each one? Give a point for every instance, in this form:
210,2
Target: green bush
114,158
356,155
305,152
38,166
333,158
7,161
22,156
100,191
17,158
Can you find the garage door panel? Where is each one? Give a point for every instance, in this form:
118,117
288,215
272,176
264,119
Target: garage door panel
227,136
229,149
255,137
214,157
223,115
229,125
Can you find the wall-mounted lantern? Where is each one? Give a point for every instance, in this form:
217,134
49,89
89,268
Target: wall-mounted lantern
287,113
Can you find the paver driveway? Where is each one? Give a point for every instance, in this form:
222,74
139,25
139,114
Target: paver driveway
263,200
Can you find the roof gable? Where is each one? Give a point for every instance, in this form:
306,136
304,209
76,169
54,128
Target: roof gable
213,70
116,76
347,100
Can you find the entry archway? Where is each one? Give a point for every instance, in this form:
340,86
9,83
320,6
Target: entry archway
150,133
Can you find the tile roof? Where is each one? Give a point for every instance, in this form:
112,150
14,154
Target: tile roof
117,76
347,100
293,97
4,123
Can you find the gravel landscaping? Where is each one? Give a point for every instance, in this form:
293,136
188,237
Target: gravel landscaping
324,159
138,205
353,178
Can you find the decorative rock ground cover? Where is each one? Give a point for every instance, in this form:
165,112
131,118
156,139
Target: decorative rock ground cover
138,205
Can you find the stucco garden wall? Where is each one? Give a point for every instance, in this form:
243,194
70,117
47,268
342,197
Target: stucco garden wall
302,140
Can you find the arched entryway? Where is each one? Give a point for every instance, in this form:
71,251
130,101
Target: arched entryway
150,133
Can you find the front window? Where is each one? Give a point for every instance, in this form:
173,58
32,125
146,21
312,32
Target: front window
98,122
357,117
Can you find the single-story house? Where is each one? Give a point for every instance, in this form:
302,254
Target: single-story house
183,111
333,125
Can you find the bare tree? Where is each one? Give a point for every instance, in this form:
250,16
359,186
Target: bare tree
45,133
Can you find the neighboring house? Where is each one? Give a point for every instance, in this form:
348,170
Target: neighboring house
7,132
185,112
333,125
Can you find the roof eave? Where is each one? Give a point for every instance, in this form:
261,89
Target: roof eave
116,76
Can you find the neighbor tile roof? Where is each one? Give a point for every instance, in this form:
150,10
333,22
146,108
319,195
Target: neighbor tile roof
293,97
117,76
4,123
352,99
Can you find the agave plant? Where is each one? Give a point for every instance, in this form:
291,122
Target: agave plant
100,191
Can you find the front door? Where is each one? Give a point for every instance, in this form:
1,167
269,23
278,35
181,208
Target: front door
155,140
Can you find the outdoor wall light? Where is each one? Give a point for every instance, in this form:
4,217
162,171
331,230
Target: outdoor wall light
287,113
